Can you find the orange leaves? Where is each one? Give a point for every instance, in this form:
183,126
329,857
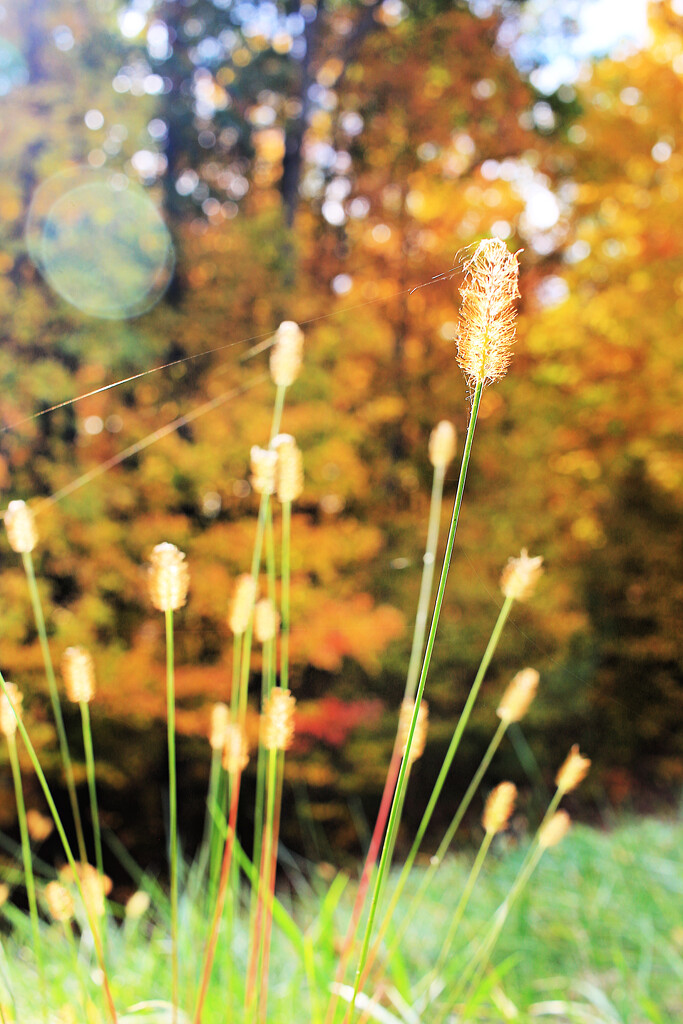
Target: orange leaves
333,629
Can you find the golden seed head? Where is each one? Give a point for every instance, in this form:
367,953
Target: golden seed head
4,893
518,695
573,771
12,699
242,605
78,670
168,578
220,716
39,825
419,736
235,749
442,444
290,468
20,524
554,830
263,469
137,905
278,720
59,901
519,577
94,885
266,620
486,330
286,353
499,806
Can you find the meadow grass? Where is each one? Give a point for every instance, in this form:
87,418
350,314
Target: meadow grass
222,945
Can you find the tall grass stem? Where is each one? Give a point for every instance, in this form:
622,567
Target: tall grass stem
172,808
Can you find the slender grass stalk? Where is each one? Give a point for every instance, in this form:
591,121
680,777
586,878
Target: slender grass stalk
278,407
393,817
28,866
69,856
92,790
29,569
256,956
172,808
270,891
286,570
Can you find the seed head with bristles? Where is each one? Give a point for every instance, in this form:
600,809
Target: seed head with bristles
220,716
554,831
519,577
442,444
21,527
278,720
39,825
78,670
60,903
266,620
263,470
94,885
419,736
168,578
235,749
518,695
137,905
286,354
290,472
486,330
573,771
499,806
242,605
12,699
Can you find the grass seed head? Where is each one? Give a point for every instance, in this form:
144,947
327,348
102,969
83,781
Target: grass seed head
519,577
94,885
39,825
168,578
266,620
4,893
286,354
290,471
242,605
554,831
12,699
21,529
278,720
442,444
499,806
486,330
78,670
419,736
220,716
263,469
137,905
573,771
60,903
235,749
518,695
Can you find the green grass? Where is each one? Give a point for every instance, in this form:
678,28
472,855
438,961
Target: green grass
597,938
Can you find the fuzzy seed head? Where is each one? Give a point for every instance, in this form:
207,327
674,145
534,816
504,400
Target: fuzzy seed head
554,831
486,330
442,444
78,670
60,903
137,905
419,736
20,524
266,620
573,771
499,806
263,470
242,605
286,354
12,699
519,694
235,749
168,578
519,577
220,716
4,893
39,825
290,469
278,720
94,885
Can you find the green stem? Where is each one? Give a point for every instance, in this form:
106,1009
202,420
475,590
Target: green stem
68,852
393,817
54,698
173,807
28,866
428,565
286,580
90,769
277,410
